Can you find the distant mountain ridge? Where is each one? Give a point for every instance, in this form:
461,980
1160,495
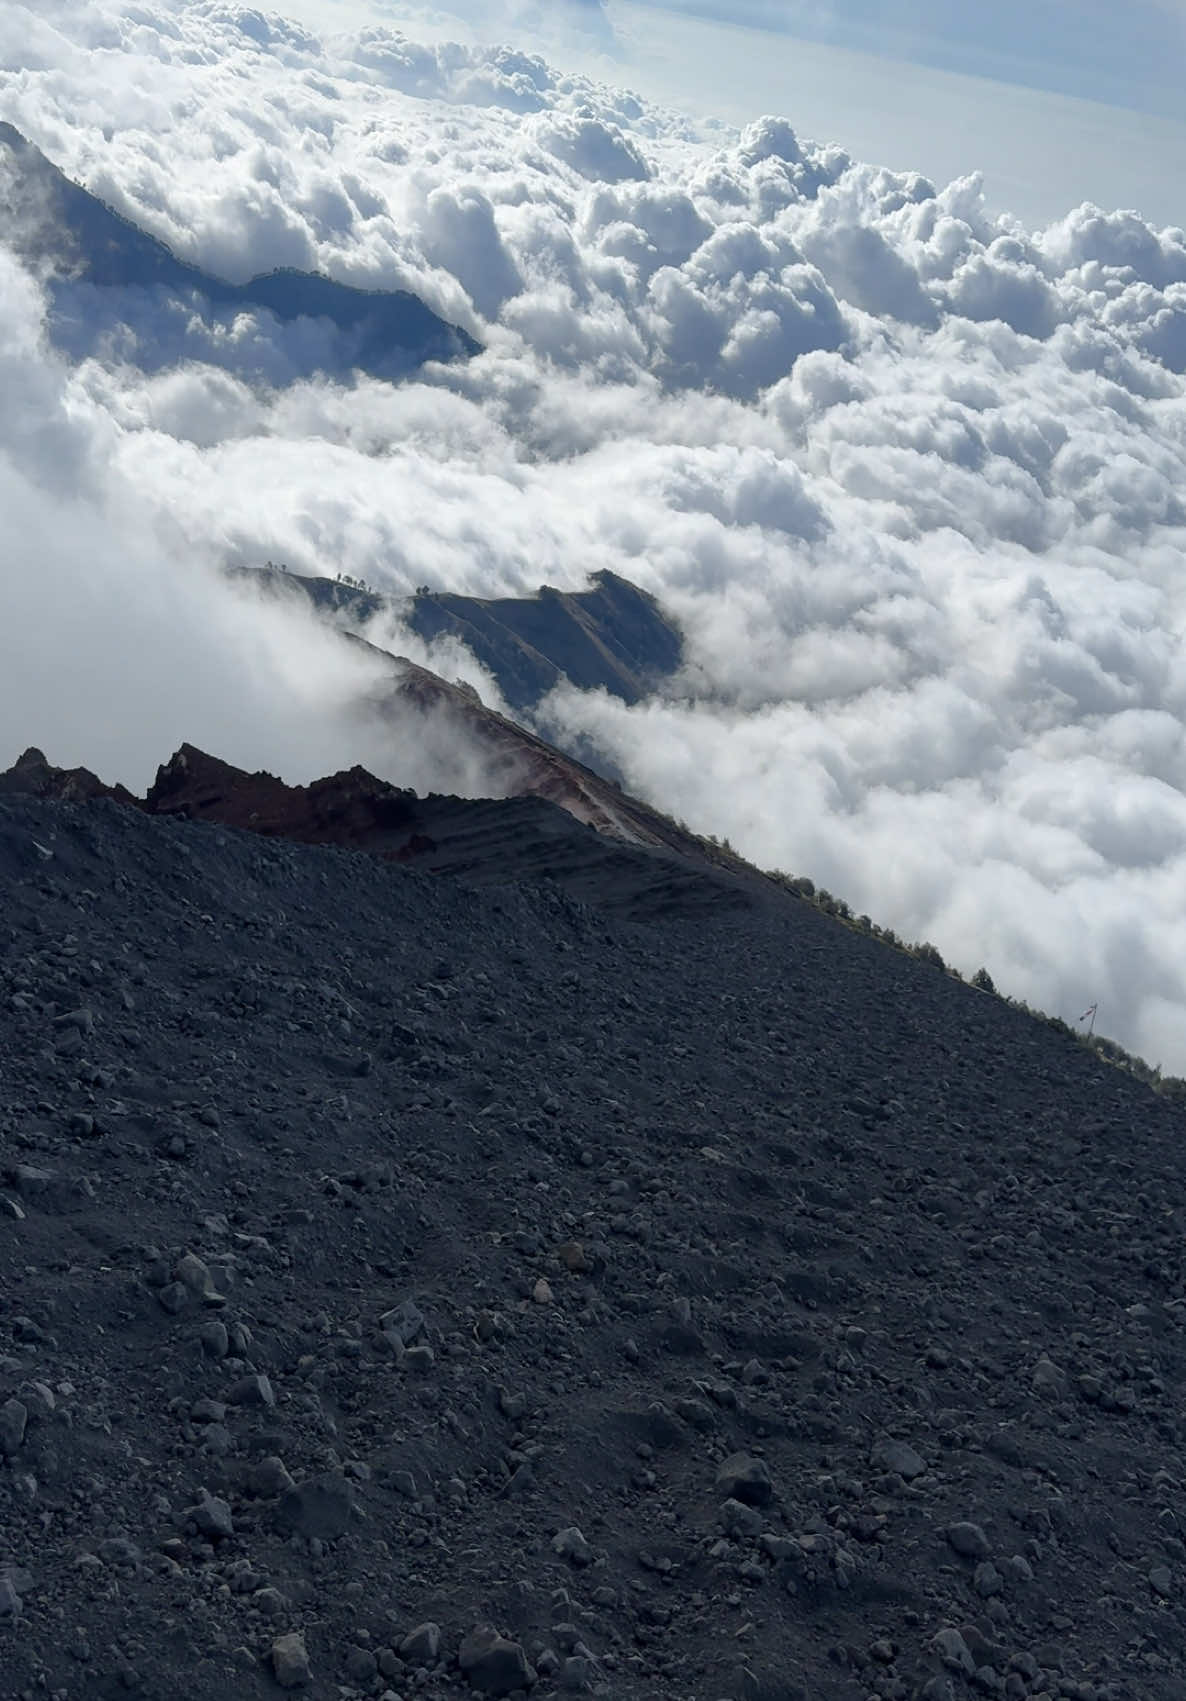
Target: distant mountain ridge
93,251
612,636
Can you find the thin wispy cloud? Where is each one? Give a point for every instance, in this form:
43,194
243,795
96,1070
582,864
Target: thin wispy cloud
1132,56
909,476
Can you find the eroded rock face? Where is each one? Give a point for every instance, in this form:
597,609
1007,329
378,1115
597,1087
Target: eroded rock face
349,808
558,821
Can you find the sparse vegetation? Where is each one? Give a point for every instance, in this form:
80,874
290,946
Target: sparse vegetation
355,584
1169,1086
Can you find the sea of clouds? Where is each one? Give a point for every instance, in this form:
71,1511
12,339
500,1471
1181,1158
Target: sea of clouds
912,480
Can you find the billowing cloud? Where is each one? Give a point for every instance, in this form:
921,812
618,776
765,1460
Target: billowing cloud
910,477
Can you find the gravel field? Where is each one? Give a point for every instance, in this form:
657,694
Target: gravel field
633,1283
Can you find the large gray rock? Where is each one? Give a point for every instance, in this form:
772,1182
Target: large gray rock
745,1478
290,1660
492,1664
321,1507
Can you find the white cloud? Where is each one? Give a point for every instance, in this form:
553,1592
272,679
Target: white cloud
909,476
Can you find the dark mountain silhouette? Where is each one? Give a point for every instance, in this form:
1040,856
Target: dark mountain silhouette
105,272
612,636
467,1283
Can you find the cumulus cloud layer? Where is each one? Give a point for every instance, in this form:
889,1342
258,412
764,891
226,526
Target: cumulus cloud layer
911,478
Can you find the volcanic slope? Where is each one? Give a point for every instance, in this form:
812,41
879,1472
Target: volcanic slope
409,1287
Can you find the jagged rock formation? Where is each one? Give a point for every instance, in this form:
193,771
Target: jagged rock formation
104,271
548,831
32,775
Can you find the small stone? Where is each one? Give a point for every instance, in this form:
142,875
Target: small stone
576,1673
174,1297
40,1399
512,1406
570,1544
320,1509
270,1477
541,1293
252,1391
1161,1581
900,1457
193,1274
405,1322
207,1411
82,1020
987,1580
574,1257
290,1660
361,1665
696,1412
954,1651
968,1540
422,1646
14,1416
10,1601
214,1339
120,1551
737,1519
745,1478
212,1517
492,1664
1047,1378
419,1358
270,1602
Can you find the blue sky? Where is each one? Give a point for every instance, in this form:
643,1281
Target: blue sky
1042,150
1055,103
1131,55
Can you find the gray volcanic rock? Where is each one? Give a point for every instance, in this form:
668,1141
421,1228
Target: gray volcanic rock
603,1211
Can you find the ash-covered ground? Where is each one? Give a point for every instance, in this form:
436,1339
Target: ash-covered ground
411,1287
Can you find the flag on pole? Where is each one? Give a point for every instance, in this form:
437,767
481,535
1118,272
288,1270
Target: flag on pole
1090,1011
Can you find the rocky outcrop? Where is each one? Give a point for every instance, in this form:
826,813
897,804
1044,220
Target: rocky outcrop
31,775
